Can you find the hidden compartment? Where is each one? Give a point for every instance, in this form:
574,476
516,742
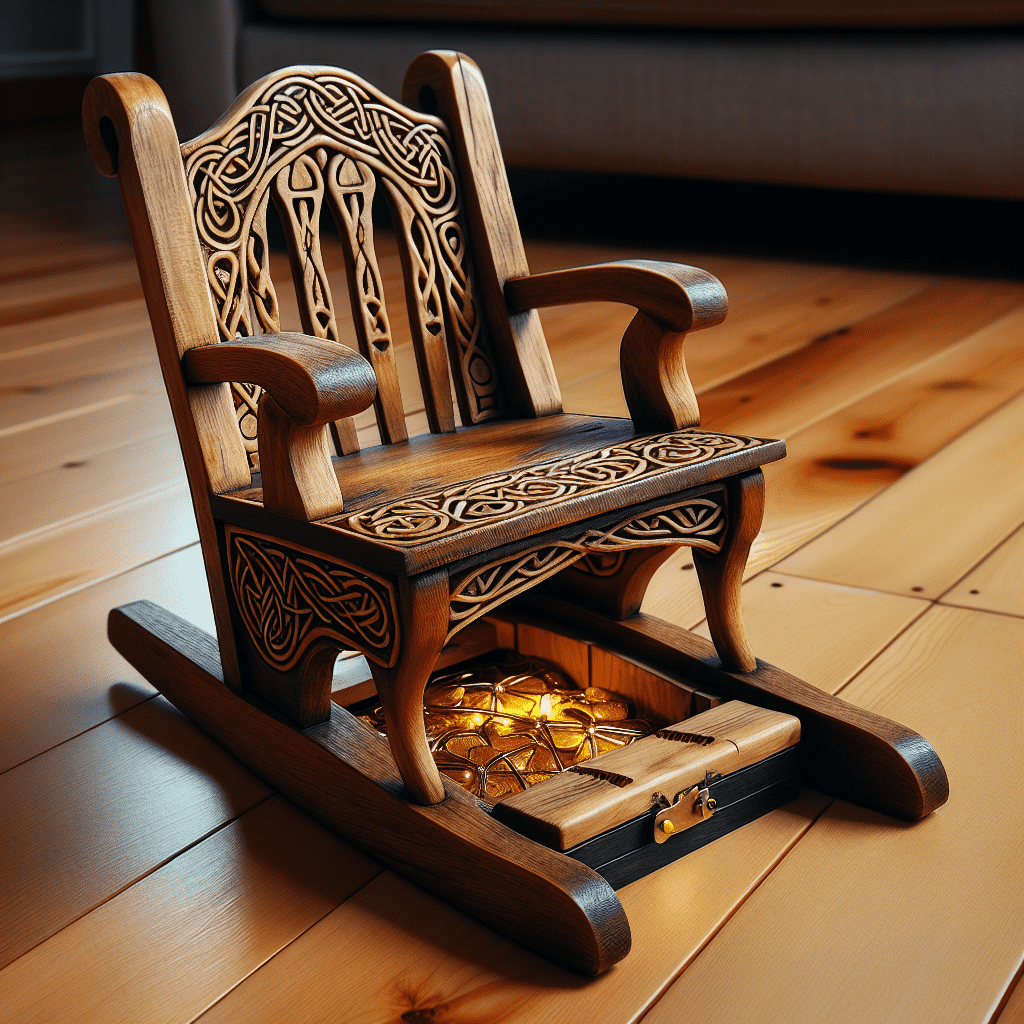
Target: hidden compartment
590,753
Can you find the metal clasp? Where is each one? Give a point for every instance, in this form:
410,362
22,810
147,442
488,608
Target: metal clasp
690,807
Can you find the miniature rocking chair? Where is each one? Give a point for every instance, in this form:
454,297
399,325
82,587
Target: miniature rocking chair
392,550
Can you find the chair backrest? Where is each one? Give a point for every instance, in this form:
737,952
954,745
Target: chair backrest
197,215
308,136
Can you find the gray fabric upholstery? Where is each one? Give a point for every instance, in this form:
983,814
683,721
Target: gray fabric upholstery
931,113
941,113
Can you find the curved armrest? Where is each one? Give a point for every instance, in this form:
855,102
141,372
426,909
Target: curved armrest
308,383
678,297
312,380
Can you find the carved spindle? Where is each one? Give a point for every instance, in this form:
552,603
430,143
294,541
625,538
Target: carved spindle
426,320
298,195
350,186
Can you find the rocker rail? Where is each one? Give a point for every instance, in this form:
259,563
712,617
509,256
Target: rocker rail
342,773
845,751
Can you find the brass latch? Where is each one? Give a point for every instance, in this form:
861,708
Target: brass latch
690,807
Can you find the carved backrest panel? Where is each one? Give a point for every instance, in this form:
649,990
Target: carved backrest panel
306,135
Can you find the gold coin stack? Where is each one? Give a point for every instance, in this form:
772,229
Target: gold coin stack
498,727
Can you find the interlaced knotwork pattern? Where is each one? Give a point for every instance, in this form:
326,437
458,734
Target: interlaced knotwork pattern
285,135
288,597
463,506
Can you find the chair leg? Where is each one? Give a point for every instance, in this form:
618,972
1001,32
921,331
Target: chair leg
721,574
424,625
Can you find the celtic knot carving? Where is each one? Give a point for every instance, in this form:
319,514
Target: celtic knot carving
288,596
695,521
464,506
301,132
598,563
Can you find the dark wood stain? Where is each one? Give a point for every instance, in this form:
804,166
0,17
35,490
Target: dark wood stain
895,466
829,335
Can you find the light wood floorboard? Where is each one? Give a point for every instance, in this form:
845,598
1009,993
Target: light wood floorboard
172,944
932,526
866,918
997,583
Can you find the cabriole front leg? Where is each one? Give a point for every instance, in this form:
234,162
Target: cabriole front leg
422,630
721,574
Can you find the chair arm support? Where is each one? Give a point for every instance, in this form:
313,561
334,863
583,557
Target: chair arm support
670,299
678,297
313,381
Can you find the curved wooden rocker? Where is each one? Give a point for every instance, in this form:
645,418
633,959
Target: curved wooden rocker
313,546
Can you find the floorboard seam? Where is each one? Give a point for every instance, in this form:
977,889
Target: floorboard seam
728,917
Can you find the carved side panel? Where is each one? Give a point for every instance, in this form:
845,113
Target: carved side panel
284,131
694,522
287,596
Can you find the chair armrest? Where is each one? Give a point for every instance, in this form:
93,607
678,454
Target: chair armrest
313,381
678,297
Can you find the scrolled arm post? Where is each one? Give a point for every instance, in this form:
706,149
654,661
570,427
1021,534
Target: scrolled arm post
670,299
308,383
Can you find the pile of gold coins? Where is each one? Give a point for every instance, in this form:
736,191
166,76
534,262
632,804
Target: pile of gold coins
499,727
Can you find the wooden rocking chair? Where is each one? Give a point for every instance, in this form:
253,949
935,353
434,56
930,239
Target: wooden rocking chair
392,550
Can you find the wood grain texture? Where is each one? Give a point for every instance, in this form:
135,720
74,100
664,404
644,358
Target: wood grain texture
60,559
295,466
424,608
721,574
343,773
759,330
569,808
855,867
393,950
821,632
653,696
117,116
50,385
99,831
213,914
49,695
571,656
63,494
655,383
677,297
312,380
955,521
22,301
944,321
69,440
997,583
838,463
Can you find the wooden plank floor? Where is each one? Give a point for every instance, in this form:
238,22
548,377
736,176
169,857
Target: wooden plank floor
148,877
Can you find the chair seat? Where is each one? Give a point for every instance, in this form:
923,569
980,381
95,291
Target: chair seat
424,499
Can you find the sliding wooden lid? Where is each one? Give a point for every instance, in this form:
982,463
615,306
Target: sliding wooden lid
611,789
